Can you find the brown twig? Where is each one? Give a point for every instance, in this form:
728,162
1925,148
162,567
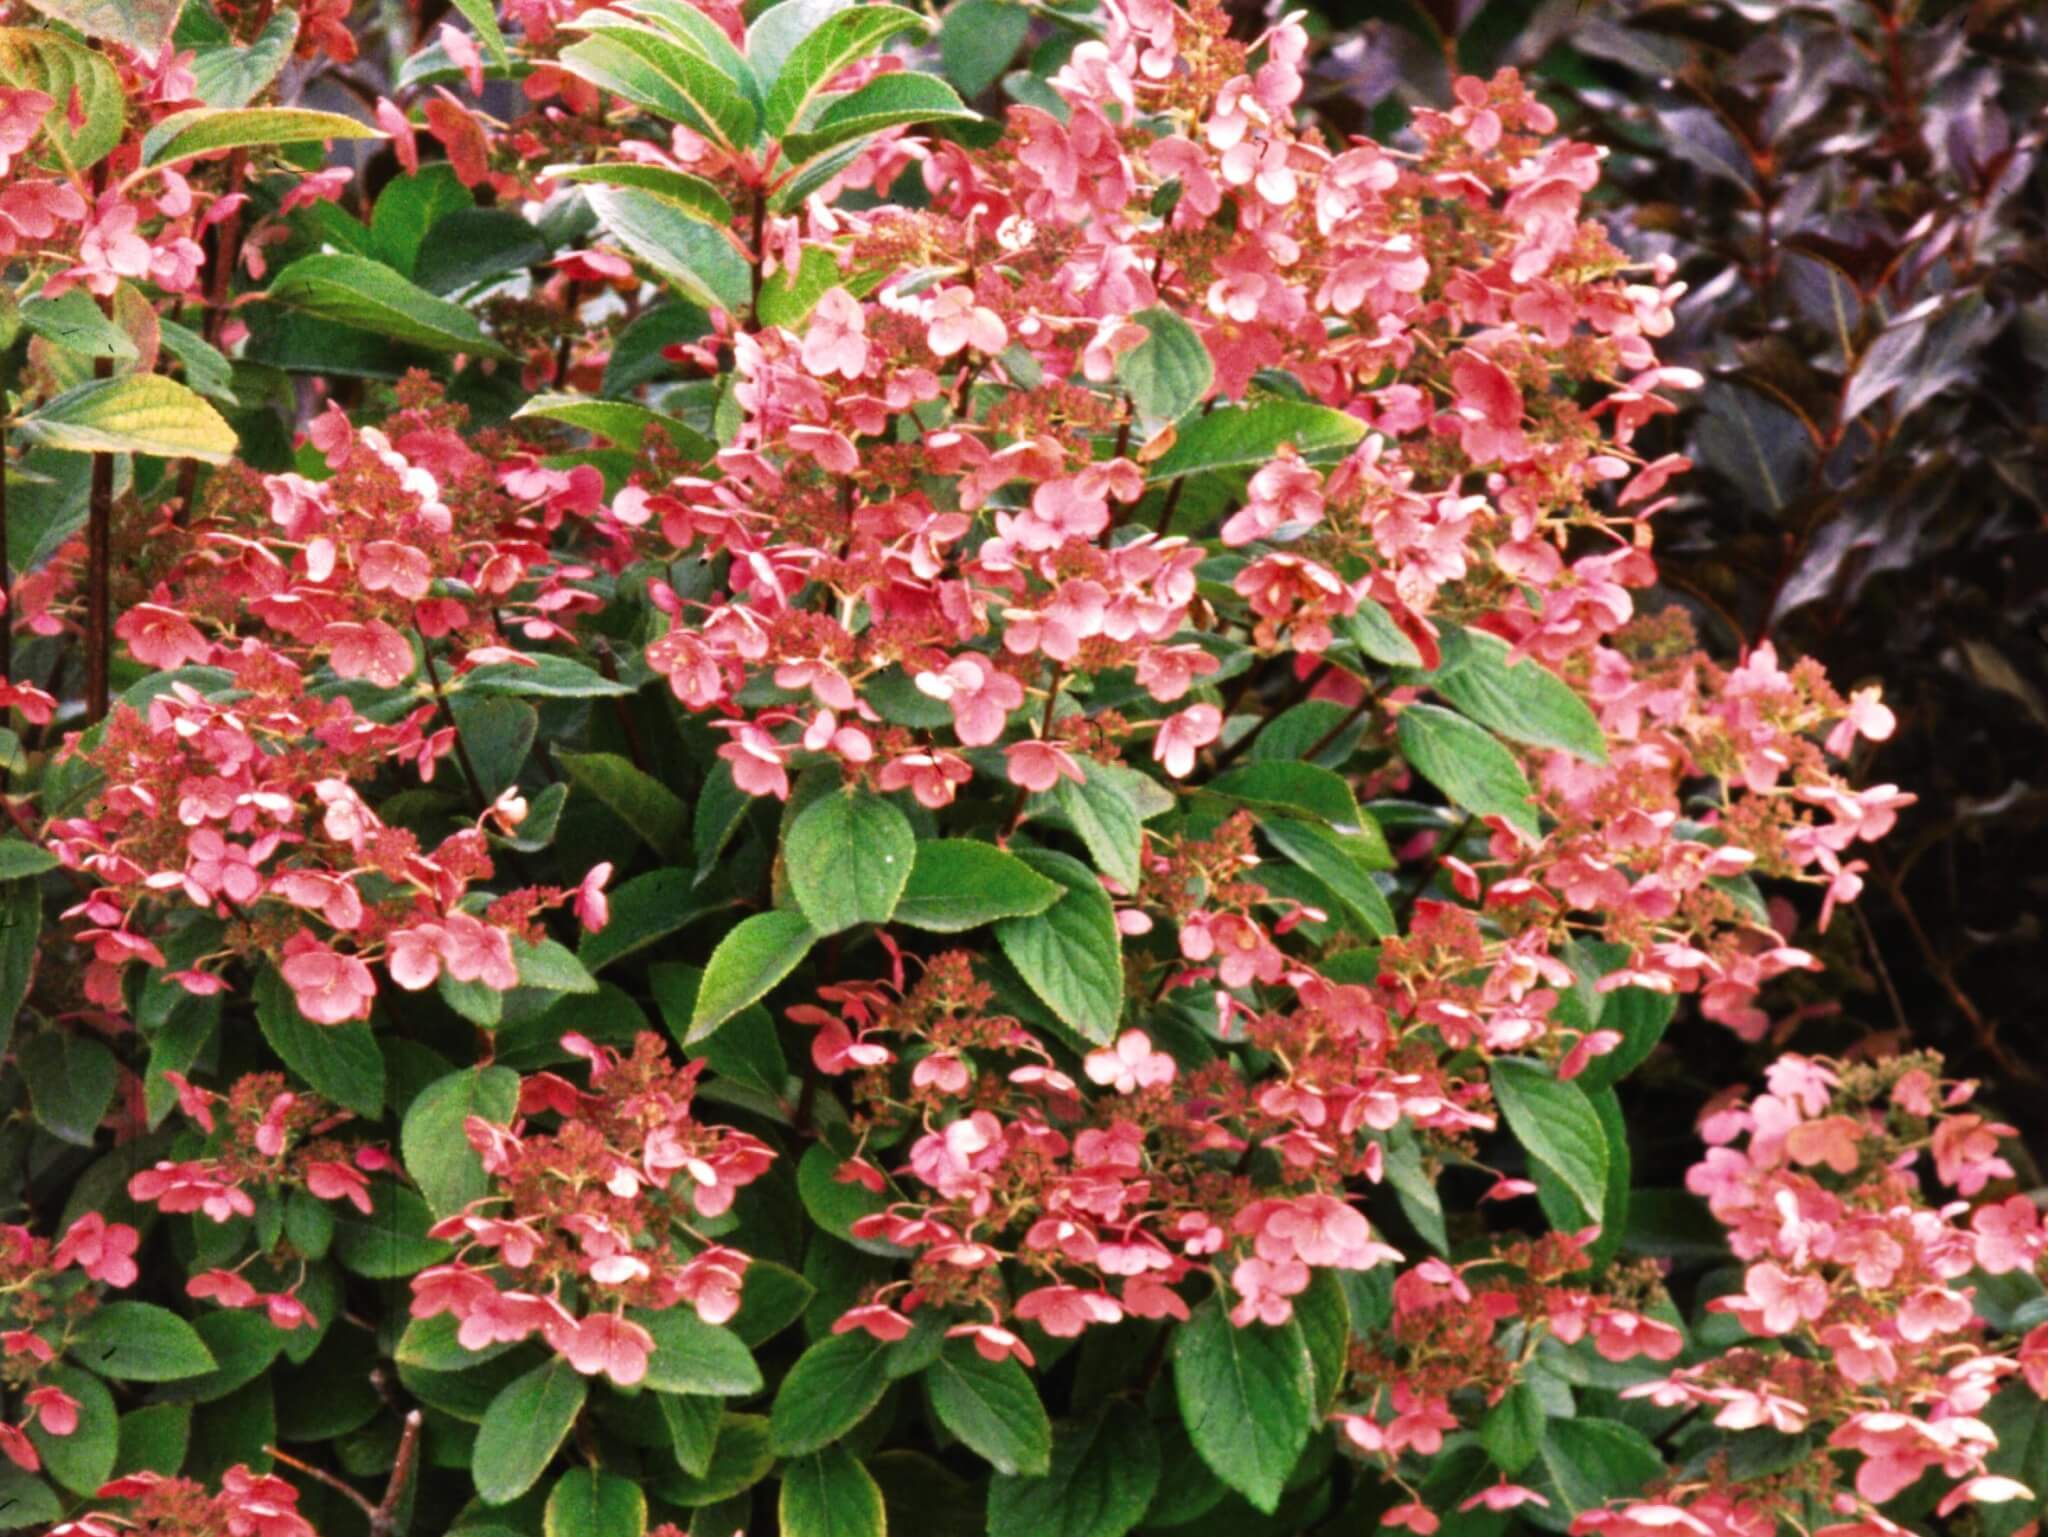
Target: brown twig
385,1520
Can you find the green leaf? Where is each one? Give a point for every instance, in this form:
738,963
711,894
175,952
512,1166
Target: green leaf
84,1459
697,261
551,967
132,414
433,1344
1525,702
90,109
647,908
207,369
588,1503
772,1298
1414,1189
144,25
1325,1315
435,1145
1637,1014
958,884
840,39
548,677
26,1501
522,1429
76,323
1104,1473
470,248
654,72
1247,1397
743,1049
641,801
71,1081
1169,372
1373,631
692,194
689,26
993,1407
1468,764
740,1459
757,954
618,421
1301,788
779,28
978,40
140,1342
483,15
341,1062
835,1204
1583,1463
209,130
1331,859
227,74
392,1243
830,1494
693,1423
408,207
1071,955
370,296
243,1345
154,1437
1555,1122
885,102
829,1390
691,1356
1238,437
848,856
21,915
1512,1431
1106,821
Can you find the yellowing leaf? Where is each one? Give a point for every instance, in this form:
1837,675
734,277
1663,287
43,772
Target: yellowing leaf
135,414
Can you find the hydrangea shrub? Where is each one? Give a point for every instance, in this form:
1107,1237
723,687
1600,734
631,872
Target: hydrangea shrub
772,803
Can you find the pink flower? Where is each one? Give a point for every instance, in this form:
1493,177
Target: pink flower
1130,1065
593,908
1182,736
756,759
1416,1517
994,1342
609,1344
161,637
1038,766
1774,1301
837,339
1504,1496
931,777
1265,1290
374,651
56,1409
981,697
330,988
874,1318
1868,716
959,320
104,1250
1065,1311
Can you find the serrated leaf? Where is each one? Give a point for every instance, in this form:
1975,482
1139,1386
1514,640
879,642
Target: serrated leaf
132,414
1071,955
1329,858
888,101
692,194
757,954
522,1429
1583,1463
139,1342
1468,764
993,1407
622,422
692,1422
1238,437
691,1356
71,1081
588,1502
1372,629
76,323
1304,788
1512,1431
209,130
355,291
1170,371
1103,1475
434,1144
1523,701
655,72
543,676
638,799
1247,1397
840,39
1107,823
978,39
207,369
144,25
227,74
1556,1123
848,856
341,1062
90,108
647,908
696,260
830,1494
828,1391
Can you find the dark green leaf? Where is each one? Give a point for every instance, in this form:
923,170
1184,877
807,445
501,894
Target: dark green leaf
522,1429
829,1494
1104,1472
1238,437
698,261
757,954
1555,1122
1525,701
957,884
71,1081
848,856
1464,761
139,1342
587,1502
840,39
341,1062
691,1356
828,1391
1247,1397
647,908
370,296
1071,955
641,801
888,101
434,1143
992,1406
